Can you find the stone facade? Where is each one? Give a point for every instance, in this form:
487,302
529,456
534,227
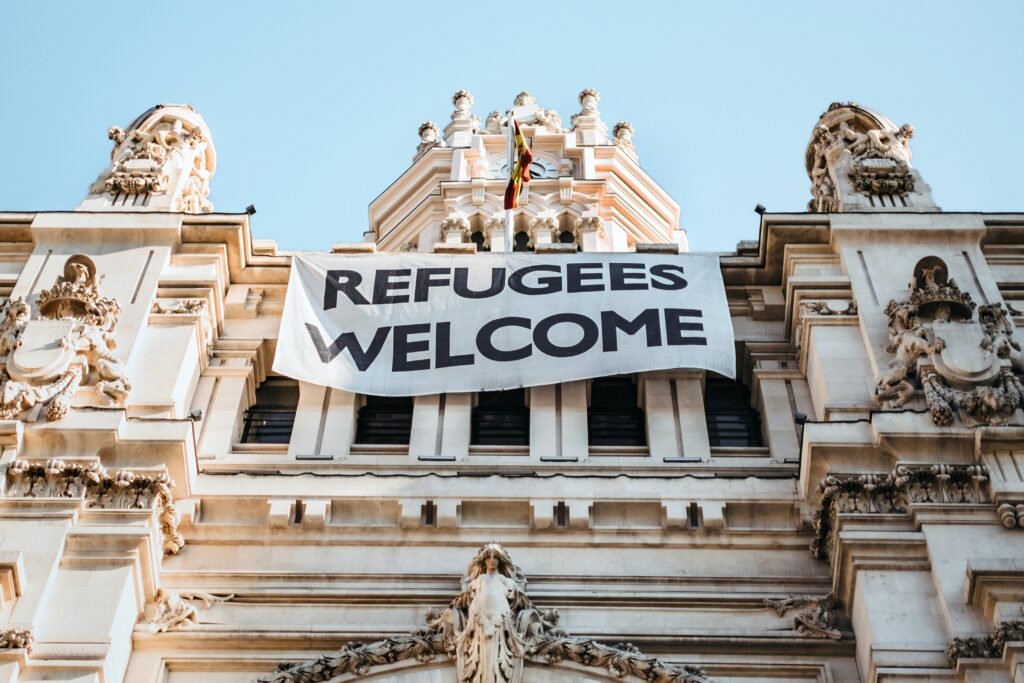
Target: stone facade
850,510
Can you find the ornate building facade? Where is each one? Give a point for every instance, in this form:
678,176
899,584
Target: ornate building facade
848,509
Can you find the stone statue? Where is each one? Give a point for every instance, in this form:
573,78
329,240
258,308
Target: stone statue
524,98
489,648
494,123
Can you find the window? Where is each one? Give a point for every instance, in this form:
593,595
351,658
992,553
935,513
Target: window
521,242
385,420
270,419
478,239
566,237
731,419
614,417
501,418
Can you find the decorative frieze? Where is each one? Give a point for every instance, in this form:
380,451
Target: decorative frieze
985,647
120,490
817,615
893,494
489,629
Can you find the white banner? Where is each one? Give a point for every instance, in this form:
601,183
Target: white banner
409,324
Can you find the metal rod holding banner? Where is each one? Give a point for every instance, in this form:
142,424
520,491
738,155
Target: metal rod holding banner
509,218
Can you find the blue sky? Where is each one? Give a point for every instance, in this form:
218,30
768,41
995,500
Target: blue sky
314,106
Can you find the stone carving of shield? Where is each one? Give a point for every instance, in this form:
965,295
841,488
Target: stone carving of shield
44,351
963,361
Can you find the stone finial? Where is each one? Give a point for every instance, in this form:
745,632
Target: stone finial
493,123
430,136
524,99
623,136
589,99
164,161
462,100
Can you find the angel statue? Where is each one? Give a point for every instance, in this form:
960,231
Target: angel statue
489,648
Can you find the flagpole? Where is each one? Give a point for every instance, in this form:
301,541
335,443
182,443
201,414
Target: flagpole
509,223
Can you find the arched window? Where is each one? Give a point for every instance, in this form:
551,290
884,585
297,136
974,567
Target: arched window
385,420
614,417
271,418
521,242
732,421
566,237
501,418
478,239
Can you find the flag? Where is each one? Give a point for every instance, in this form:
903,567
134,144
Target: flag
519,171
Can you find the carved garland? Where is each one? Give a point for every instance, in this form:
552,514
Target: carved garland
122,490
489,643
892,494
818,616
986,647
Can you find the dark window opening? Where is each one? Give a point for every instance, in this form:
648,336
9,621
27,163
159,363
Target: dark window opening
428,514
478,239
501,418
561,515
614,417
385,420
521,242
566,237
732,421
271,418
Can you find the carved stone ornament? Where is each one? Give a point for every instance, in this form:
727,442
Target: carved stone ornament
1011,515
860,150
825,308
121,490
430,137
70,345
587,224
524,99
490,629
196,307
457,225
16,639
462,100
818,615
175,612
966,367
493,123
622,135
543,231
985,647
157,147
893,494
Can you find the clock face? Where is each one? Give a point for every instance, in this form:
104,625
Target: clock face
539,168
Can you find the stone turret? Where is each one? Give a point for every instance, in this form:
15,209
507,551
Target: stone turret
858,160
163,161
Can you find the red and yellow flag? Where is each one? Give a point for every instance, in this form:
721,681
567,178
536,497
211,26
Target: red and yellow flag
521,170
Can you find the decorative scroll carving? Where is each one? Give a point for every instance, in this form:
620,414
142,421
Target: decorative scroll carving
197,307
489,629
121,490
71,344
893,493
825,308
969,366
175,612
16,639
430,137
818,616
546,228
985,647
458,226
